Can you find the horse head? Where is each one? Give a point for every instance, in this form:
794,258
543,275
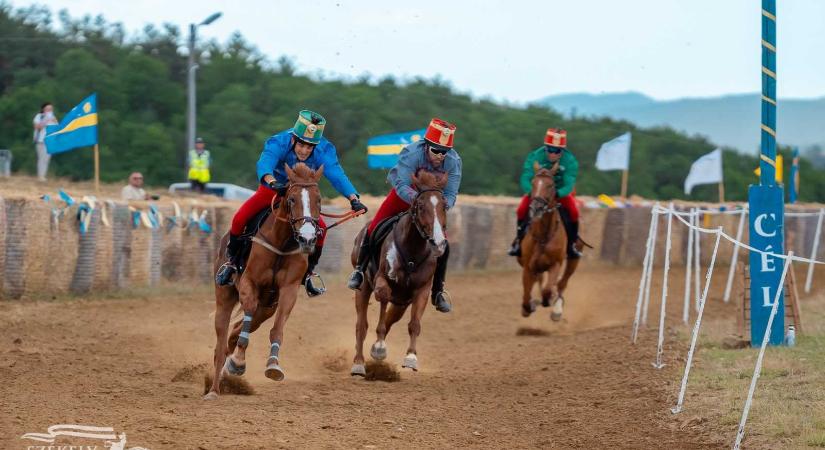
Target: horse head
543,192
429,208
303,203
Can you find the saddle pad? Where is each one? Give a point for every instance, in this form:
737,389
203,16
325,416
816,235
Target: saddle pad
382,230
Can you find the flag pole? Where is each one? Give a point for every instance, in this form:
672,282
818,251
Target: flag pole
97,170
624,184
721,192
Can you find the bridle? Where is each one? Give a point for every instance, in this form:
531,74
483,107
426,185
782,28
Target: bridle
414,215
296,222
545,205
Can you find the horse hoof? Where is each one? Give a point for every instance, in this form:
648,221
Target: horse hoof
528,309
545,302
212,395
274,371
378,351
358,370
558,308
230,367
410,362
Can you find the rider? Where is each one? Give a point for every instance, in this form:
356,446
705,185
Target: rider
434,153
554,151
302,143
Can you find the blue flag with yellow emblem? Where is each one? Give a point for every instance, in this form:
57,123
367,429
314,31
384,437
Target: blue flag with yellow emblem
382,151
77,129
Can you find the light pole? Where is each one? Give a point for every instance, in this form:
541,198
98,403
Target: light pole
191,67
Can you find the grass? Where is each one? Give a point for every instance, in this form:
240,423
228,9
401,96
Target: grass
788,409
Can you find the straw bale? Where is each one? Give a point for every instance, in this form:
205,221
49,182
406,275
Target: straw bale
14,283
477,223
613,235
591,229
336,245
637,230
104,251
2,242
40,231
155,256
121,246
86,264
501,234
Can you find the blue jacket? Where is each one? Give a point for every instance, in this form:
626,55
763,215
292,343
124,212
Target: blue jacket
277,151
414,157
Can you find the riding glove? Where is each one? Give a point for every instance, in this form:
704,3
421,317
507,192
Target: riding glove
357,205
280,188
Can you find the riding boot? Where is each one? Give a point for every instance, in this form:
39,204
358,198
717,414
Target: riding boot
311,289
572,238
521,230
357,276
439,297
230,267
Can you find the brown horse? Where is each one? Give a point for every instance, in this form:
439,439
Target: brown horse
404,275
544,247
269,285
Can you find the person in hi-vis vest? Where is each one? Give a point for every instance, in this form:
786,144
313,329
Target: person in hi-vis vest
198,162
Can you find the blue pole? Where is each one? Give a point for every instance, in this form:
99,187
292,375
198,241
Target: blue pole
766,200
767,158
794,181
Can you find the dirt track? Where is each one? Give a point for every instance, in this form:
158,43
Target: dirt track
110,362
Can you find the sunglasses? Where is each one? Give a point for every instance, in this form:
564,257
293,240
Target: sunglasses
439,151
553,150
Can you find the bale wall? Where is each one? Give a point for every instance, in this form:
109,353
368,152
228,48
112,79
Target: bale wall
40,256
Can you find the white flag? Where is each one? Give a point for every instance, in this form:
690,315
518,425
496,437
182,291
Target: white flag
615,154
705,170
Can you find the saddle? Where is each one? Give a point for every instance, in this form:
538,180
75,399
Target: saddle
250,230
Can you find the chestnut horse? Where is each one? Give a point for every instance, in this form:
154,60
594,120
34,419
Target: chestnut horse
269,285
544,248
404,276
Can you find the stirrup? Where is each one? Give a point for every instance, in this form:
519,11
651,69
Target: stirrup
223,277
313,291
442,302
356,279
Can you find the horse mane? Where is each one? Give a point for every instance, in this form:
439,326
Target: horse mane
543,172
424,179
303,174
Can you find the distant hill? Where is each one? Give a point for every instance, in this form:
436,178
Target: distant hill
731,120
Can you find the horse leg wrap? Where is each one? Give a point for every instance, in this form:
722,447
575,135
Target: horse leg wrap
274,349
243,337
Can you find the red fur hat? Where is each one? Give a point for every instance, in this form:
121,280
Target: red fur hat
440,133
556,137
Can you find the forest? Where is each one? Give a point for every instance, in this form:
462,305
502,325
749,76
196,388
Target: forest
245,96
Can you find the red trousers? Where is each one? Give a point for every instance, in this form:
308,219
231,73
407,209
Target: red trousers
392,206
261,199
568,203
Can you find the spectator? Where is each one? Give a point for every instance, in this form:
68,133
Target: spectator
199,161
41,120
134,190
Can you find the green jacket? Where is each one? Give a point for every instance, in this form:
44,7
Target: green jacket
565,178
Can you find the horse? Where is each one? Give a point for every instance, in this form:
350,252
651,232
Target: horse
269,285
544,248
404,273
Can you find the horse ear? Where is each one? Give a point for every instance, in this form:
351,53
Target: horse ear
414,179
536,166
318,173
289,172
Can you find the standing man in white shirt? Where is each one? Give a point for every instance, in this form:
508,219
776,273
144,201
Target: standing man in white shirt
41,120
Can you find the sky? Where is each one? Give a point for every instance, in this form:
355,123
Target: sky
515,51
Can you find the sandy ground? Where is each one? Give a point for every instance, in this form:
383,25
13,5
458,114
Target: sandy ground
579,384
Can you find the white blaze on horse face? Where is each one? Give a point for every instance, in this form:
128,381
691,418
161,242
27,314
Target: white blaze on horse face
438,231
307,230
539,184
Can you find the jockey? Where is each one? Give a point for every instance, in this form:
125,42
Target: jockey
554,151
434,153
302,143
